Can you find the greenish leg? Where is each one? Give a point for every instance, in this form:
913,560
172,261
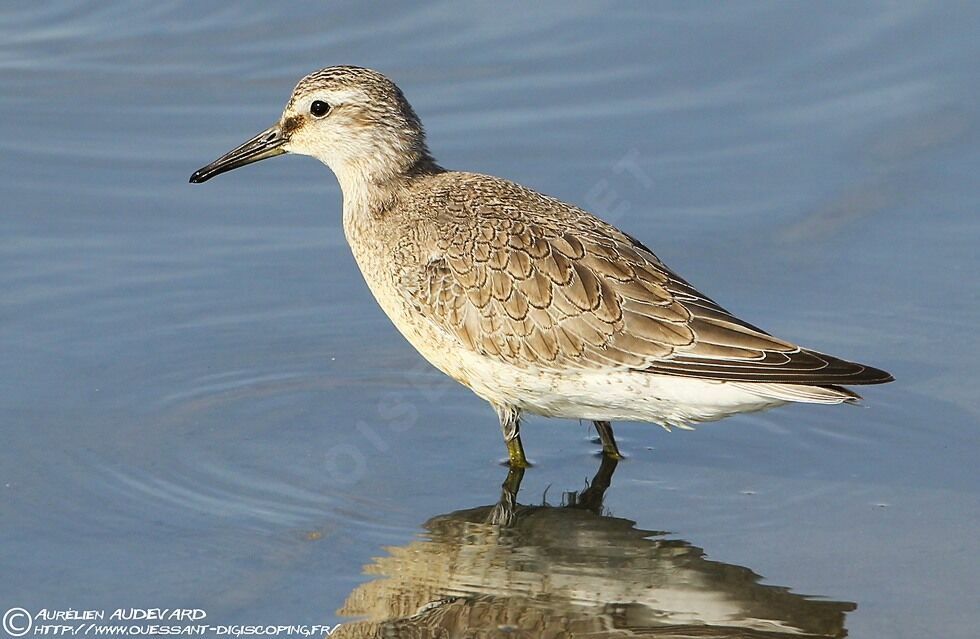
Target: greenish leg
510,425
512,485
609,447
504,513
515,454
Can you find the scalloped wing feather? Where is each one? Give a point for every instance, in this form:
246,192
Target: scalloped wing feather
533,282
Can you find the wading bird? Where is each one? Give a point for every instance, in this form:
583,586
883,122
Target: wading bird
534,304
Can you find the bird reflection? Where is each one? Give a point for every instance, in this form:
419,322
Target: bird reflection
510,570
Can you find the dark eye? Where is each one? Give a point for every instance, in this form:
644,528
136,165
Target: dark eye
319,108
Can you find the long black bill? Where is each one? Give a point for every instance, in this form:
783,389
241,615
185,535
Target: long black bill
264,145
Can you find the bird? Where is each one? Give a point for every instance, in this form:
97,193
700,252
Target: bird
536,305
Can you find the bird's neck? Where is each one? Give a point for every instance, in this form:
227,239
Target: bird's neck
371,187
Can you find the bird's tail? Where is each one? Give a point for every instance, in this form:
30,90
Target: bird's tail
828,394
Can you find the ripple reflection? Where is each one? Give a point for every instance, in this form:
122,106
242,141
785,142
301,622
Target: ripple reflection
570,571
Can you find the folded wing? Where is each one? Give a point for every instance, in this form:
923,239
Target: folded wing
574,293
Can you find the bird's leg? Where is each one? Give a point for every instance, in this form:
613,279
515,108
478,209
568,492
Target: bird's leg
510,424
609,447
591,497
504,512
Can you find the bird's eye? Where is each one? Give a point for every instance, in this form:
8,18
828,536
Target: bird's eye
319,108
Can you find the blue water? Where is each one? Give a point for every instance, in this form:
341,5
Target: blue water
202,406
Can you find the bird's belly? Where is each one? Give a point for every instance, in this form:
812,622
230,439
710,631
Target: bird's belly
608,395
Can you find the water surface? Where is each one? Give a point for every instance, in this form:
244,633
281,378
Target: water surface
202,405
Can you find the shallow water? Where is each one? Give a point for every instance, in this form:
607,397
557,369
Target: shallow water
202,406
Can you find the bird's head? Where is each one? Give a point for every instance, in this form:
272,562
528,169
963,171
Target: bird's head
354,120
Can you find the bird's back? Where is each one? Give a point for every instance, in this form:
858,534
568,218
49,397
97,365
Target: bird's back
529,280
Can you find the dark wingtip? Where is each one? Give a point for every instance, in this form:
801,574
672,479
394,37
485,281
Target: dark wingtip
199,176
871,375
